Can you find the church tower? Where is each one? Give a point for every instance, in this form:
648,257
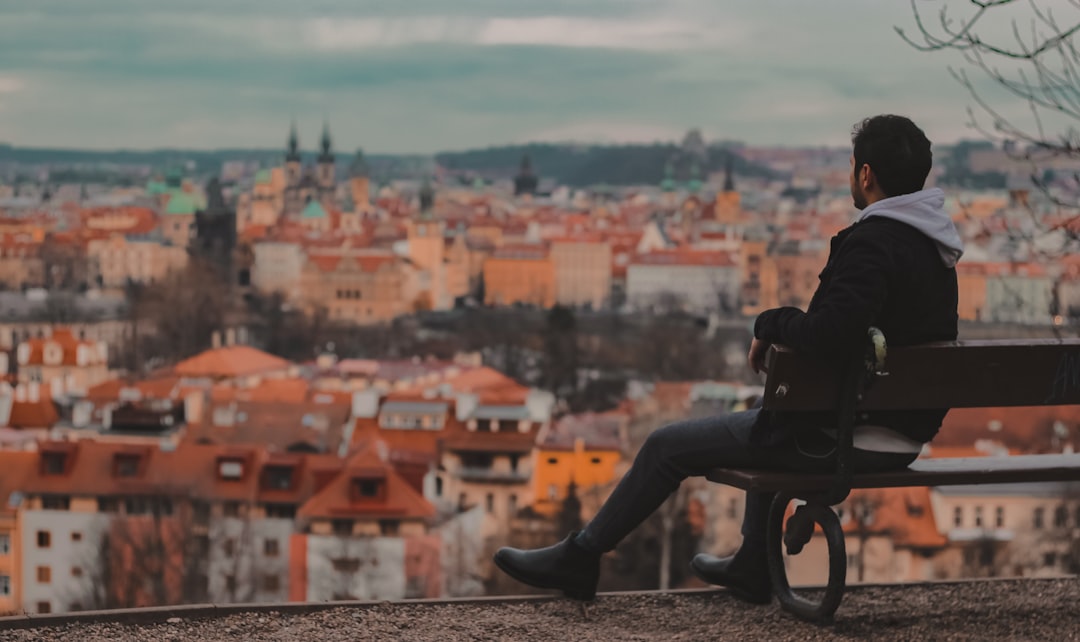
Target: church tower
324,171
360,181
427,247
525,182
293,200
728,208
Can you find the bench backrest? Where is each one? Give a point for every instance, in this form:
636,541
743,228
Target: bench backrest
957,374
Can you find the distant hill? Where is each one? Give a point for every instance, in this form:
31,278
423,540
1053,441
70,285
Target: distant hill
576,165
581,165
79,165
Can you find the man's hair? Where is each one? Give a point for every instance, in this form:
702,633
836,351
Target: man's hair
896,150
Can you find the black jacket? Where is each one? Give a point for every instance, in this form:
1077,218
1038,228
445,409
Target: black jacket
881,273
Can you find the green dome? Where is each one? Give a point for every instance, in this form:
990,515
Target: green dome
155,188
313,210
262,177
181,203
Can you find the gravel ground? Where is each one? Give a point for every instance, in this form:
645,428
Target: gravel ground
998,610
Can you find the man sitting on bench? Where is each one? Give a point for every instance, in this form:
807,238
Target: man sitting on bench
894,269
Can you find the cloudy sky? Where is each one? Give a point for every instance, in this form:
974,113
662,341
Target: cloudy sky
427,75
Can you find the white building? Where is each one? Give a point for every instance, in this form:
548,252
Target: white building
690,280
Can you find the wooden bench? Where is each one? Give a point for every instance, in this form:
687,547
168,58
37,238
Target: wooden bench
960,374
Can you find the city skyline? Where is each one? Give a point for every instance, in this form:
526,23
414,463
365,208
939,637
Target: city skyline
426,78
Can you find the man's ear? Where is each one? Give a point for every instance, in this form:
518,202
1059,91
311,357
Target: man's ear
867,178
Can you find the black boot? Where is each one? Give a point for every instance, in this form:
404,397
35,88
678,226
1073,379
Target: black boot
745,576
565,566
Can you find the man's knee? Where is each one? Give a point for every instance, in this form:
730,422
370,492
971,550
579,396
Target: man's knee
660,442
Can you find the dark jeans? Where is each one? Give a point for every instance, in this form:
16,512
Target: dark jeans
692,448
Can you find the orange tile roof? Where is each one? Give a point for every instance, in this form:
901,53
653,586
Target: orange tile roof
290,390
157,387
401,501
232,361
281,425
33,414
17,466
903,513
1020,429
61,336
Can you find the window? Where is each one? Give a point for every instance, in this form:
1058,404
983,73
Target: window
44,574
56,502
127,465
279,477
978,516
5,543
53,463
1061,517
281,511
230,547
553,460
733,508
958,516
231,509
270,548
490,502
230,583
514,462
231,469
367,487
76,536
108,505
271,582
342,526
999,517
511,505
348,564
44,539
76,571
5,585
1039,520
553,492
44,607
201,512
595,460
389,527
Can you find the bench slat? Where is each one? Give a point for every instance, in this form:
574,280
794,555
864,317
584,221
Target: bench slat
958,374
923,472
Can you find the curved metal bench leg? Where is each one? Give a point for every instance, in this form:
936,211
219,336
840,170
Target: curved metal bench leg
800,528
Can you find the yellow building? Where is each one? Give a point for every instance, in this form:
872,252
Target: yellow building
583,449
17,465
582,271
20,261
971,288
361,287
119,260
427,251
758,276
520,274
797,277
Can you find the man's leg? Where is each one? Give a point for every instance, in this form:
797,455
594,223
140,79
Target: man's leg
668,456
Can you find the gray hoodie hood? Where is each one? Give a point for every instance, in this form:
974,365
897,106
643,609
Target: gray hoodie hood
923,210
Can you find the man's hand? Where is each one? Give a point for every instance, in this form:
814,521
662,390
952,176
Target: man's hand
758,350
